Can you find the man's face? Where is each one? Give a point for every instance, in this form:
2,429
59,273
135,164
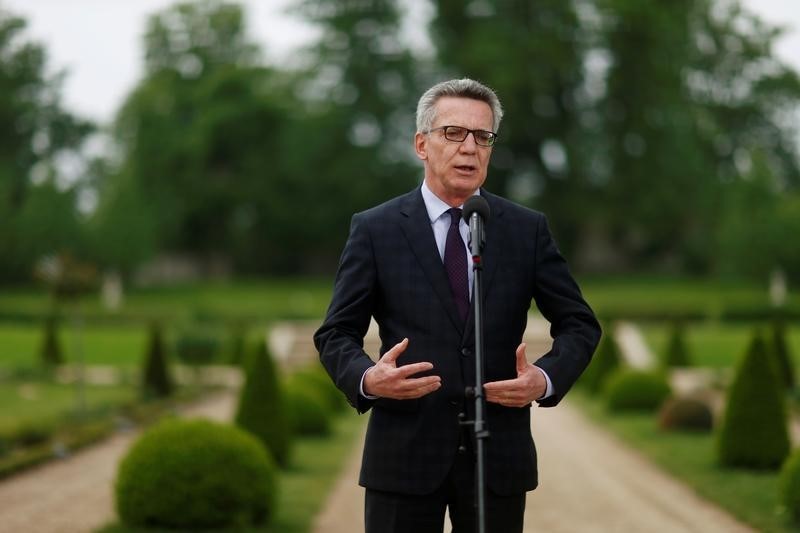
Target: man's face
455,170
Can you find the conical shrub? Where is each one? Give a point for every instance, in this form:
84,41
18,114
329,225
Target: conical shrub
261,408
605,361
50,352
157,381
754,432
677,351
781,353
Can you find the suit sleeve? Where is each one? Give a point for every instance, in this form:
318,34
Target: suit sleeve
573,326
340,338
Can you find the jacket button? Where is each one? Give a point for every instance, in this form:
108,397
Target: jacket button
466,352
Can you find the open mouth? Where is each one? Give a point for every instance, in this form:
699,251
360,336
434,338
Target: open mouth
465,168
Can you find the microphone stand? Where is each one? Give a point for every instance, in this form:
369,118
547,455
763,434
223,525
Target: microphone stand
479,424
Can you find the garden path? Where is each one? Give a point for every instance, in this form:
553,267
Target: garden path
589,481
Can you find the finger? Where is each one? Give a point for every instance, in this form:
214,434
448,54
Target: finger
505,385
522,360
413,368
392,355
420,387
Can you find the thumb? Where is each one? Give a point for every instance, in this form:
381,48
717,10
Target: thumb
522,360
392,355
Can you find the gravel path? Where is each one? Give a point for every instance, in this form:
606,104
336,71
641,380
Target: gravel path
76,494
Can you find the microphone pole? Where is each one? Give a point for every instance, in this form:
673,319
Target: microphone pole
476,212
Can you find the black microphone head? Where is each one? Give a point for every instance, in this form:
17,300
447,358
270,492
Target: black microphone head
476,204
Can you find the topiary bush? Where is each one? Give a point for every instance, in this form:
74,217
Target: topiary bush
754,432
197,347
262,407
156,379
317,378
635,390
681,413
605,361
51,353
195,474
309,413
789,485
781,352
677,350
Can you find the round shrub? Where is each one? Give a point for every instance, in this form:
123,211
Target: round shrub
197,347
309,413
316,378
635,390
685,414
789,485
195,474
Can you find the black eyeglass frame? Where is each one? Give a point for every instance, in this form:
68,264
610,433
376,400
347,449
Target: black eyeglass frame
476,134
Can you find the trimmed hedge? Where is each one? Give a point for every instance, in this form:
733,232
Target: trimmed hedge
635,390
310,414
754,432
196,474
156,379
789,485
677,350
51,353
316,377
261,409
604,362
781,352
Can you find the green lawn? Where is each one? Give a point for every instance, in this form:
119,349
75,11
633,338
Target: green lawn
716,345
38,403
752,496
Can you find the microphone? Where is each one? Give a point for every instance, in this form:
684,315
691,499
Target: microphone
476,213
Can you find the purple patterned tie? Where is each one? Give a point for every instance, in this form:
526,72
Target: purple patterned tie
455,262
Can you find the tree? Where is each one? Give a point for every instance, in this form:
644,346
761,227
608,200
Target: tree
531,54
677,351
36,137
604,362
754,432
261,409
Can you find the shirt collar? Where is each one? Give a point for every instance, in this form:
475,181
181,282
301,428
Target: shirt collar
435,206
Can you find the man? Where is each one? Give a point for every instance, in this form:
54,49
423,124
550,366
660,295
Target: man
405,264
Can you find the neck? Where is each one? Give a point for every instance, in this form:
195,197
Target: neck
452,199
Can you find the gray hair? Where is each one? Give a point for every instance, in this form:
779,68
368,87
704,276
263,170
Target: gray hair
463,88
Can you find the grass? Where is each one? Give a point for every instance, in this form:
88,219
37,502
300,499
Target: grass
650,296
37,402
305,484
714,344
752,496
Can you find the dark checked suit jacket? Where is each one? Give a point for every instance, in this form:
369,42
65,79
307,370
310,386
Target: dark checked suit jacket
391,270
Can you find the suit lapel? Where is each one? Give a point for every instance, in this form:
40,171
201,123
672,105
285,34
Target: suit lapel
417,229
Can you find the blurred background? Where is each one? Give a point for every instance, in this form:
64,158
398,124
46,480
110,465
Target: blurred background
186,171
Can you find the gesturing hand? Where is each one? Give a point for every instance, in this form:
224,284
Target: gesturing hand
529,385
387,380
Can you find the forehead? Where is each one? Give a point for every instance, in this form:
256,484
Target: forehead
467,112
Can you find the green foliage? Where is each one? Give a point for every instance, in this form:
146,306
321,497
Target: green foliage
197,346
196,474
677,352
789,485
309,412
754,432
635,390
36,216
262,408
317,378
51,354
606,359
781,352
681,413
157,380
236,343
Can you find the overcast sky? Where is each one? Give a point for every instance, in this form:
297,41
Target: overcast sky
98,42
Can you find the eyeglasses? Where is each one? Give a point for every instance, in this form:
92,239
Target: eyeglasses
459,134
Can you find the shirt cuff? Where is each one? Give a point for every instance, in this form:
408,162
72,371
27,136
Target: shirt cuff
548,391
369,397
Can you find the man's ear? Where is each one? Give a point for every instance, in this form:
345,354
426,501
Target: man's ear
421,145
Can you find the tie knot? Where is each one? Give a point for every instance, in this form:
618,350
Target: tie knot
455,215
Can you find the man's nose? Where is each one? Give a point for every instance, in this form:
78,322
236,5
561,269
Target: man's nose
469,144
